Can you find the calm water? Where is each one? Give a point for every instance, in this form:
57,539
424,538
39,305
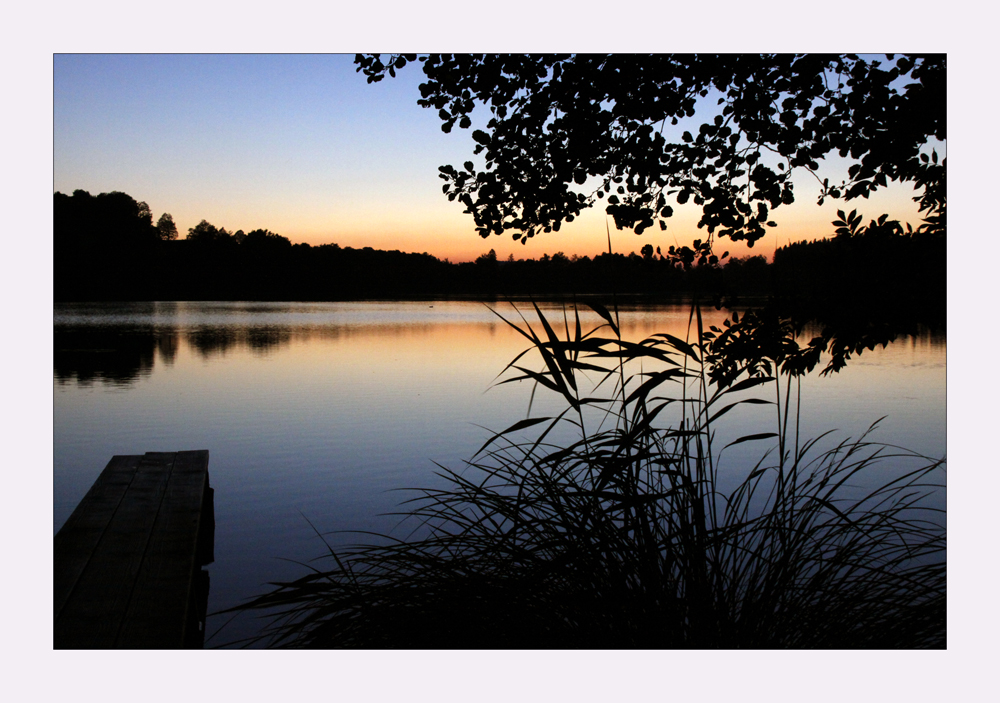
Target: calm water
318,411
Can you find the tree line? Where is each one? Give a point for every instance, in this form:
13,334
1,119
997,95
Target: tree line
108,248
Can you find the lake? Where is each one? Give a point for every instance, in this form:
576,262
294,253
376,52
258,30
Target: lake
316,413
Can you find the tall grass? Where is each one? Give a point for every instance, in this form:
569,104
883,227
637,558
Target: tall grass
607,525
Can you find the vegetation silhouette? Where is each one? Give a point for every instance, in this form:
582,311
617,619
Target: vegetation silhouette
885,275
608,525
564,131
96,240
165,225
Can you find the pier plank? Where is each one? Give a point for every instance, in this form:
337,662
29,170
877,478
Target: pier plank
162,594
126,560
79,536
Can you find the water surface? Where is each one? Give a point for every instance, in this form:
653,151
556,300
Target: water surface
314,413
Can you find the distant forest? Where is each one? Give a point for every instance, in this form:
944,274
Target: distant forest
107,248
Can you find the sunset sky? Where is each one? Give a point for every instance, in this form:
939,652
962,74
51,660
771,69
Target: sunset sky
302,145
321,156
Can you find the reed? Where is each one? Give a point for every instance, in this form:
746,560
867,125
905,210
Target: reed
607,525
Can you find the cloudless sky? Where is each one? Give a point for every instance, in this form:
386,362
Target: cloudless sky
302,145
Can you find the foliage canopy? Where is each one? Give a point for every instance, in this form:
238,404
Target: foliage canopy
566,131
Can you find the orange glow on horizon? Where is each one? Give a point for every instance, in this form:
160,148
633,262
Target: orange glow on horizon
440,228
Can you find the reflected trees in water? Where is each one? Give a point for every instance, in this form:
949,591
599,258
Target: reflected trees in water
123,355
85,355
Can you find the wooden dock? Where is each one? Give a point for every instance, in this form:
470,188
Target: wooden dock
128,560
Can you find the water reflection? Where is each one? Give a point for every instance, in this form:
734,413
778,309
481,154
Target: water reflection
211,342
119,344
121,356
85,355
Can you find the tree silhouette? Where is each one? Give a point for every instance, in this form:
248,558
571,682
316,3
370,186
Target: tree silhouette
265,240
488,259
568,131
166,227
204,231
144,213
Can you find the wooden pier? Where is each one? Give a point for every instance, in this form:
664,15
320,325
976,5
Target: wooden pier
128,560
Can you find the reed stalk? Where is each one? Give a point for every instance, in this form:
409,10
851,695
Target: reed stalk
607,525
